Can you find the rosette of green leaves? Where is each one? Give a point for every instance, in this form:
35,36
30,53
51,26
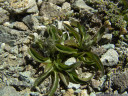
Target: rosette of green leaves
79,43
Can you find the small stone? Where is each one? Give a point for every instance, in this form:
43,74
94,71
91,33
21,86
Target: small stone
109,46
2,46
70,61
35,94
66,6
110,58
107,36
92,94
58,2
31,21
95,83
80,4
72,85
20,26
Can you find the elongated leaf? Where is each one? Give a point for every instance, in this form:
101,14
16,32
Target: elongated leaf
93,57
74,32
76,79
48,67
36,56
43,77
65,49
70,43
64,78
55,84
71,67
81,30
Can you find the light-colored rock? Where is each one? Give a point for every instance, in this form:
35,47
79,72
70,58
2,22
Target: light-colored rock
72,85
107,36
20,26
22,6
4,16
80,4
66,6
108,46
58,2
9,91
110,58
70,61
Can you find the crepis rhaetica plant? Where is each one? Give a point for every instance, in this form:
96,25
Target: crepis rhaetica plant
60,46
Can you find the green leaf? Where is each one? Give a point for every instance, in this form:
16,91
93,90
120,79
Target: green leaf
47,67
64,78
76,79
71,67
55,84
65,49
74,32
93,57
81,30
99,34
53,32
36,56
70,43
42,77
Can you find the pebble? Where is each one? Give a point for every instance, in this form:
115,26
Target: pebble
72,85
110,58
70,61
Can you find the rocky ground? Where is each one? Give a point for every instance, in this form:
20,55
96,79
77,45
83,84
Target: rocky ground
21,18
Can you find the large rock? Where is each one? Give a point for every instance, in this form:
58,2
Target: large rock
4,16
21,6
10,36
9,91
110,58
50,10
120,81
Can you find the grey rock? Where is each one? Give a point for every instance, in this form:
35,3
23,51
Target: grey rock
35,94
50,10
26,76
10,36
14,50
17,83
7,48
120,81
110,58
31,21
4,16
80,4
58,2
109,46
20,7
9,91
